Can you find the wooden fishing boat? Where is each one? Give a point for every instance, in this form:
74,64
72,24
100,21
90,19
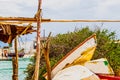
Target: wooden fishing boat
13,55
81,55
6,55
88,46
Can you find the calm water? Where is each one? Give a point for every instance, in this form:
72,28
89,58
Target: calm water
6,69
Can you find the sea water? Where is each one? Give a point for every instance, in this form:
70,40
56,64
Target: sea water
6,69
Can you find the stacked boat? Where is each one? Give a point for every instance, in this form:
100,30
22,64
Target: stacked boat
77,64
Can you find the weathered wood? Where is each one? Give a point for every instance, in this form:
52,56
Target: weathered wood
17,19
48,66
82,20
15,62
26,19
37,63
46,50
24,31
20,20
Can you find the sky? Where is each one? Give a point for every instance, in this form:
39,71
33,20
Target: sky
66,9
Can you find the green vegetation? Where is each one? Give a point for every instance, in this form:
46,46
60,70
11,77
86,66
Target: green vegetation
63,43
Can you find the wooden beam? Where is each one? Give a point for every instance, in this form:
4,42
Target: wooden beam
20,20
81,20
17,19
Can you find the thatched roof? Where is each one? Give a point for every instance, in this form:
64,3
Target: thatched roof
8,32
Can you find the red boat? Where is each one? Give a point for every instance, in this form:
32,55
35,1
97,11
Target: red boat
108,77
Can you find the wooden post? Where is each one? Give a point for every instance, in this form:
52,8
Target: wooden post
46,50
48,66
15,62
37,63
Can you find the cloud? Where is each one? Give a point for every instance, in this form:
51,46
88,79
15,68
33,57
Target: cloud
17,7
58,9
29,3
29,7
62,9
104,7
60,4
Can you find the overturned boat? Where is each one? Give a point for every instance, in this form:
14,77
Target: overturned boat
88,46
81,55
